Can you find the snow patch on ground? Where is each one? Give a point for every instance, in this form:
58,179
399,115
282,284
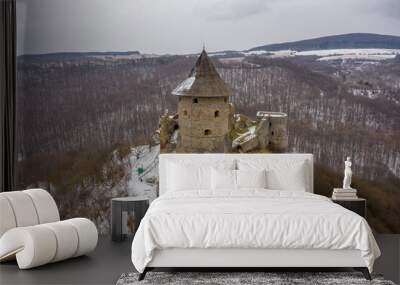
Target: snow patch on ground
123,56
255,52
371,94
174,137
231,59
217,53
146,158
374,57
335,54
115,57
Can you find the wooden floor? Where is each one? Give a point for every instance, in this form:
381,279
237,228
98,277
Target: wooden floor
110,260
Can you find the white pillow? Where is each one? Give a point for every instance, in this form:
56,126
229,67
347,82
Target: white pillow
182,177
251,178
223,179
291,180
193,174
282,174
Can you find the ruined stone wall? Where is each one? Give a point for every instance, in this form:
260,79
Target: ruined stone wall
263,132
201,145
168,124
278,136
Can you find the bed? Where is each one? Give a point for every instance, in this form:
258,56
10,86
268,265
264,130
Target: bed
247,210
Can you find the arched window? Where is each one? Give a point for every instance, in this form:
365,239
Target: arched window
216,114
270,124
185,113
207,132
272,133
195,100
226,99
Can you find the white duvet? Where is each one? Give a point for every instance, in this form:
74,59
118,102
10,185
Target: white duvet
250,219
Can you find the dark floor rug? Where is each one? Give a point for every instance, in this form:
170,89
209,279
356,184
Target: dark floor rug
269,278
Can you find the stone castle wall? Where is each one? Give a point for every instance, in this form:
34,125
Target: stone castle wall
277,130
204,145
204,124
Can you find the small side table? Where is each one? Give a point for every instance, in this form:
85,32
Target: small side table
121,208
358,205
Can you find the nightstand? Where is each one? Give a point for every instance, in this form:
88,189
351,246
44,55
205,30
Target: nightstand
358,205
126,214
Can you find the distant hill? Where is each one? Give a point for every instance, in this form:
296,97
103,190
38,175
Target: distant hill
75,55
359,40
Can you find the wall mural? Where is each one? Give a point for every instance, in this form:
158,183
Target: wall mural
206,121
91,125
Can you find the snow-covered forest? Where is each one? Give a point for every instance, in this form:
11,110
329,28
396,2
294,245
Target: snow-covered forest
84,116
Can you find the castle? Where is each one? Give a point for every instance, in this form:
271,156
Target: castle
206,121
204,111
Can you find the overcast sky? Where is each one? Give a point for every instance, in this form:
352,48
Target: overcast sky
182,26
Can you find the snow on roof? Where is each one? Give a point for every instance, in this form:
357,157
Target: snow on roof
245,137
184,86
242,139
203,81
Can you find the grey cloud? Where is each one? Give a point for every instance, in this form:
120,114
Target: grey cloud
182,26
391,8
386,8
229,9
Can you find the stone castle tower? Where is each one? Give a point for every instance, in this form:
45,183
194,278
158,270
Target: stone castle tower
204,112
206,122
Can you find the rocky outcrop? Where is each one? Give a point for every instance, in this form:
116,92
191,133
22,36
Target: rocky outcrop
167,132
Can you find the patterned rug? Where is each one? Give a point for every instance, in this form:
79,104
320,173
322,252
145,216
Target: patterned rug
243,278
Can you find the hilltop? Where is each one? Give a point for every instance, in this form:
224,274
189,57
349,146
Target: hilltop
346,41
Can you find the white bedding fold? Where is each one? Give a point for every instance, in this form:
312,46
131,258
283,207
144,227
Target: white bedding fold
250,219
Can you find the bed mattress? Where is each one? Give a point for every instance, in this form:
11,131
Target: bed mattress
250,219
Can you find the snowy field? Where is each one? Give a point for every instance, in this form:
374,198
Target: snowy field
329,54
124,57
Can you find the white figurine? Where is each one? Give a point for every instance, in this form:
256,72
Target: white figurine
347,174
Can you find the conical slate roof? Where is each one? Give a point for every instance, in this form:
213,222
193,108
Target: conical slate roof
203,81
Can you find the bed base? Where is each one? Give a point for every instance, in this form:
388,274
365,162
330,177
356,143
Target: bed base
242,259
363,270
143,274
